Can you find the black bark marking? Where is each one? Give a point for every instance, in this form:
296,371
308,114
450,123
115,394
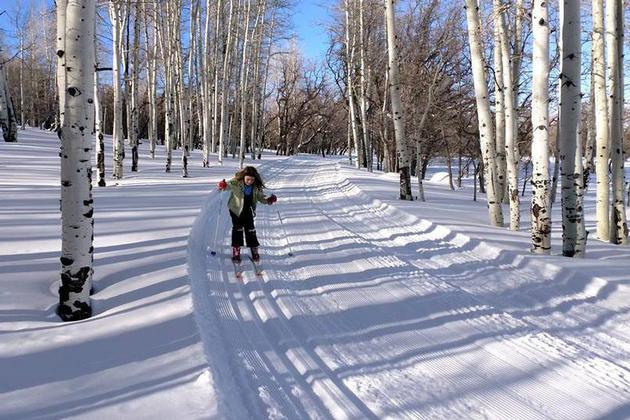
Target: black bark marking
73,91
65,261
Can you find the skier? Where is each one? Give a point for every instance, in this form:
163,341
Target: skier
246,189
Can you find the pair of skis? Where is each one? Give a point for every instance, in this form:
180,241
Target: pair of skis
238,269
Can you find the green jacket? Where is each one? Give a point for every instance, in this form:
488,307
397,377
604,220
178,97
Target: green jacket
237,196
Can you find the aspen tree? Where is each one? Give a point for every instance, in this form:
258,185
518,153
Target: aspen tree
151,43
223,124
570,104
581,234
258,90
509,107
218,40
134,129
98,128
486,139
22,105
206,76
243,82
402,148
117,16
541,200
263,88
352,118
499,106
601,123
61,72
365,128
8,121
614,30
77,223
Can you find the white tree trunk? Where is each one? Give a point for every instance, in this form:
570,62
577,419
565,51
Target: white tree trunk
541,200
601,123
581,235
22,104
365,128
243,84
206,76
511,148
100,143
218,39
486,136
614,30
223,127
352,118
402,148
116,14
152,51
499,105
570,104
8,121
61,62
77,221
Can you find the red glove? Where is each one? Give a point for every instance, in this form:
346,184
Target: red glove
222,185
272,199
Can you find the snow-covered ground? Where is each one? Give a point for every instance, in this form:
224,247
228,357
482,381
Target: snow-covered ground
387,309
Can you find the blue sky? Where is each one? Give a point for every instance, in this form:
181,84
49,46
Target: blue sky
308,18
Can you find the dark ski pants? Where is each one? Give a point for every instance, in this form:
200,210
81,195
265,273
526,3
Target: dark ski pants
244,223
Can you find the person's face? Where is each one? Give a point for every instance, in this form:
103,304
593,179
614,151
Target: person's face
249,180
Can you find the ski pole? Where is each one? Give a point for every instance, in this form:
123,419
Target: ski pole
216,229
285,233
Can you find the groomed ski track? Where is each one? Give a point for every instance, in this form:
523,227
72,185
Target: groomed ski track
381,314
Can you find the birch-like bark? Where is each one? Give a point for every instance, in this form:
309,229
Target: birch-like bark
581,234
499,106
223,124
135,63
365,128
77,223
243,82
256,101
100,143
8,121
486,137
207,75
614,31
22,105
350,47
116,14
601,123
152,51
541,200
61,62
402,148
263,96
570,104
219,39
511,150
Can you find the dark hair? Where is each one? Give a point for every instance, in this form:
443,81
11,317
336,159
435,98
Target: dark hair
250,171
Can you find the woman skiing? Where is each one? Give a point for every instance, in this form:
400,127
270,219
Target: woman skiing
246,189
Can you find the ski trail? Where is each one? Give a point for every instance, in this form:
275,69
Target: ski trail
341,360
559,304
600,374
377,316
